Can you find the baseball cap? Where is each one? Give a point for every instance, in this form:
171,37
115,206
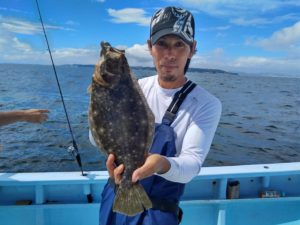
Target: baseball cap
172,20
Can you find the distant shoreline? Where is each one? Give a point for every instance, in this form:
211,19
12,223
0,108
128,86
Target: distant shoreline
191,70
199,70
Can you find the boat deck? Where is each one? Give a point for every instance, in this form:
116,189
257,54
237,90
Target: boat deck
65,197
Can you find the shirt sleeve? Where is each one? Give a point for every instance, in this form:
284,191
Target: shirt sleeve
196,144
92,140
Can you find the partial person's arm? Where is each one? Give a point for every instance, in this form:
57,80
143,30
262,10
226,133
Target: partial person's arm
29,115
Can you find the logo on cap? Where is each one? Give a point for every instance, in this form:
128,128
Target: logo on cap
172,20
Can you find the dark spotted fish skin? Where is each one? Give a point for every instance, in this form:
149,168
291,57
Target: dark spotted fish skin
121,122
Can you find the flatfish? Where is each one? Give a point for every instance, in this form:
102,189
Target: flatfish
121,123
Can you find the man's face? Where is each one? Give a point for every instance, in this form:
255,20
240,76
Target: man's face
170,54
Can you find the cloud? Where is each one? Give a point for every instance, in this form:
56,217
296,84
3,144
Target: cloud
14,50
286,39
138,55
129,15
76,55
19,26
23,53
72,23
218,59
13,10
236,8
260,65
217,28
218,52
245,13
14,25
250,22
18,45
259,21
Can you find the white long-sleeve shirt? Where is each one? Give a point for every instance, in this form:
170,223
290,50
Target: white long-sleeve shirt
194,126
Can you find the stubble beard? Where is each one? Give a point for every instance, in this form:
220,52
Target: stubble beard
168,78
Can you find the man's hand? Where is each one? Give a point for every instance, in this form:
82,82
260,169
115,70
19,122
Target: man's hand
35,115
154,163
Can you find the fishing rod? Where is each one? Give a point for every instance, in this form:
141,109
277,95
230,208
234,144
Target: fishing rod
72,149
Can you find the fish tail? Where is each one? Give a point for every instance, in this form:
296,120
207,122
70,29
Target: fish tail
131,200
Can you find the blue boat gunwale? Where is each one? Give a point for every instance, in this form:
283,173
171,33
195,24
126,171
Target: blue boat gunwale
64,195
219,172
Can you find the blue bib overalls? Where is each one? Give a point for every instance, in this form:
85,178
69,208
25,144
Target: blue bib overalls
164,194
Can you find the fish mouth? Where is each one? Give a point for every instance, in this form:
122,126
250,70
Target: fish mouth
111,66
106,47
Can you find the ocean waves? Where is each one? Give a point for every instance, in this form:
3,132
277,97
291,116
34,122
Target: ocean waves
259,124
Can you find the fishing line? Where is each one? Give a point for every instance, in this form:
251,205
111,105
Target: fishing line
72,149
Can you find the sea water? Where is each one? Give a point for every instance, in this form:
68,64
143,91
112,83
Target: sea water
260,121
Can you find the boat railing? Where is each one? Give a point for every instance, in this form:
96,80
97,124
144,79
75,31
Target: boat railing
213,196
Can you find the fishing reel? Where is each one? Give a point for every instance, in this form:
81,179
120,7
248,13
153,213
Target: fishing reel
73,150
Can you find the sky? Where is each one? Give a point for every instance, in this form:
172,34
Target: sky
257,36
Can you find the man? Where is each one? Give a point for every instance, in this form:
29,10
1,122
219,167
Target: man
28,115
182,137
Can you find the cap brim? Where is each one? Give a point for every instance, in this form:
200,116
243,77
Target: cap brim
154,38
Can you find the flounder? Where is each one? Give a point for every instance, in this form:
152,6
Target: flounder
121,123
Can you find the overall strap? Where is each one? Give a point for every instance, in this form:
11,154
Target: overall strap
177,101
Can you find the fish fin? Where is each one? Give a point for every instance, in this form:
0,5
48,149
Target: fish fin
131,200
89,89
